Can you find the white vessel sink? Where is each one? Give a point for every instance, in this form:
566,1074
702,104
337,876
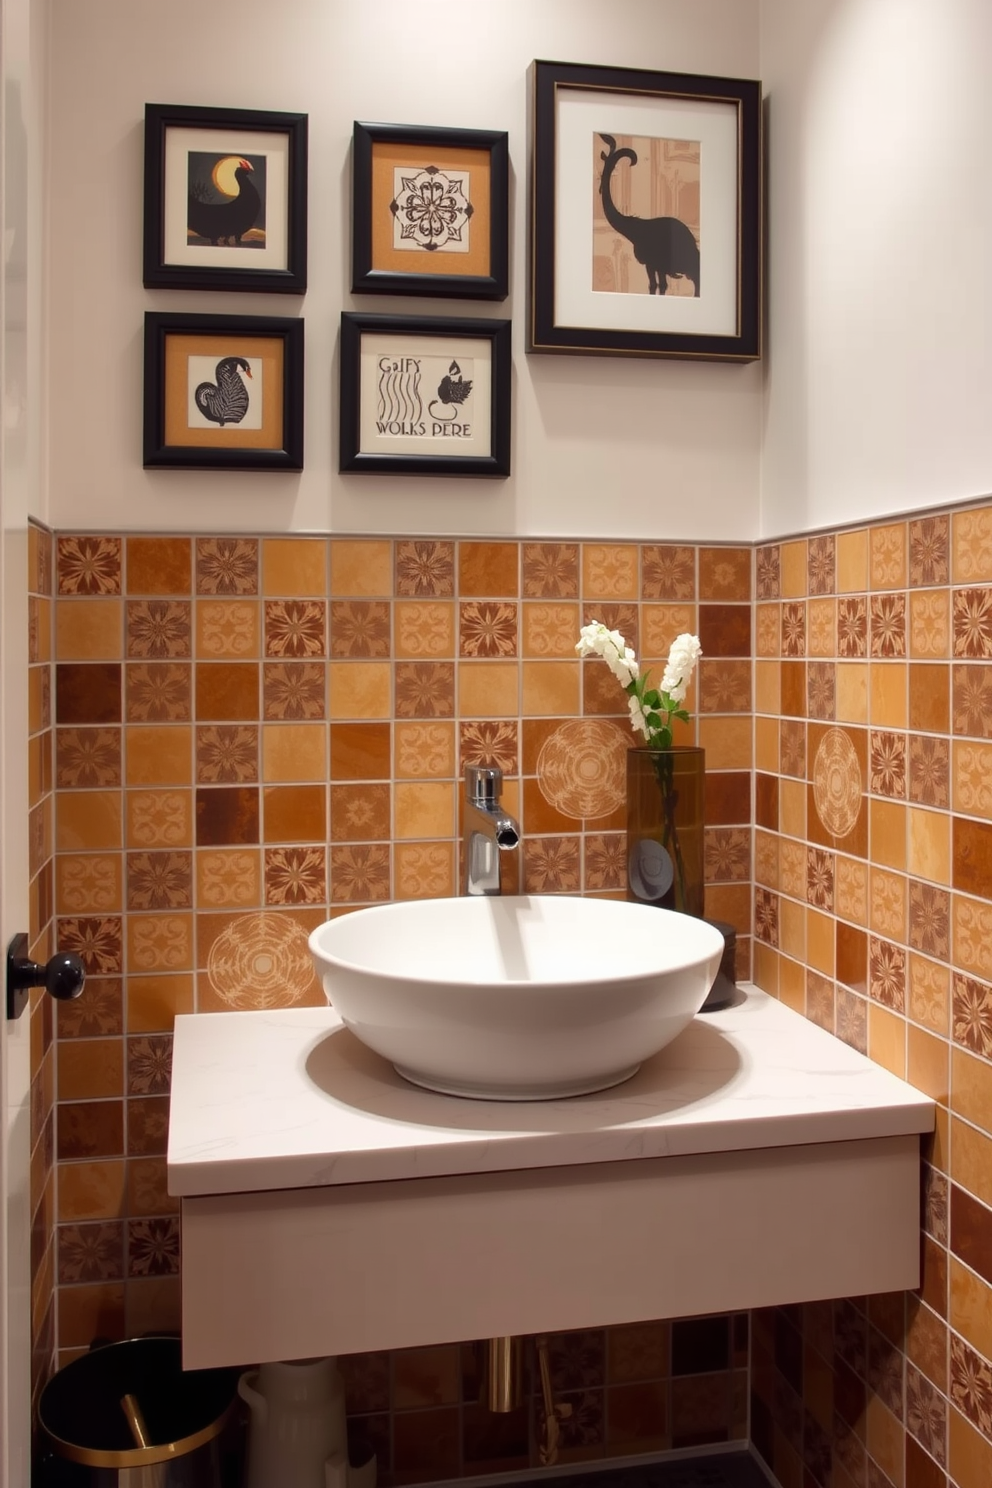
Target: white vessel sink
516,998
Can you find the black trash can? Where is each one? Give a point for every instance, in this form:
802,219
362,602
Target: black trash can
95,1414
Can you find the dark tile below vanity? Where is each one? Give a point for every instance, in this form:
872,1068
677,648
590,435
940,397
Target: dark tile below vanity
727,1470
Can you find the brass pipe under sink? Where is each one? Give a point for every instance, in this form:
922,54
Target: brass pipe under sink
503,1373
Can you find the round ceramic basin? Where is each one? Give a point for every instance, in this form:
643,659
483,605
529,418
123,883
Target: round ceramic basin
516,998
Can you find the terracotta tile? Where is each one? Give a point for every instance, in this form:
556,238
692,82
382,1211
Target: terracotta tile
294,751
159,880
361,689
929,994
887,763
766,802
728,798
88,692
766,907
153,1247
91,1069
159,942
40,558
852,626
90,1252
361,813
488,569
39,699
228,879
605,862
158,692
88,820
969,1454
971,1227
360,751
928,1063
226,754
819,878
360,874
768,630
929,854
87,757
821,690
159,565
852,957
768,687
227,565
101,1011
486,689
970,1154
158,755
550,570
637,1416
972,778
298,565
724,686
551,865
972,700
88,565
929,624
423,809
928,551
489,744
768,565
154,1001
971,1014
424,870
360,628
424,629
793,560
661,623
90,1129
159,629
929,919
725,629
159,818
668,572
550,688
146,1187
971,545
149,1064
226,814
887,828
294,813
792,628
90,1312
293,689
970,1310
929,770
227,628
794,688
821,564
95,939
609,571
851,683
426,1377
487,628
971,614
296,628
423,568
425,750
91,1190
88,630
971,855
725,573
426,1444
226,690
727,741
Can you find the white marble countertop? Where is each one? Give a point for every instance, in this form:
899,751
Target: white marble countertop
291,1099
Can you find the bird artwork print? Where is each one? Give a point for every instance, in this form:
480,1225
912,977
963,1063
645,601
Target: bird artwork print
227,400
225,202
452,392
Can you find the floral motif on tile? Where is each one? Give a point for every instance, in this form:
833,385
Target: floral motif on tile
837,783
971,1014
360,813
972,618
972,934
766,916
821,565
295,875
360,627
551,570
792,747
971,1385
158,818
821,626
159,942
422,628
929,994
87,757
295,627
226,627
887,764
887,974
926,1414
929,919
668,571
425,689
149,1064
425,568
227,878
929,770
582,768
621,617
972,538
768,568
820,1000
887,629
766,854
768,630
153,1246
971,688
292,690
724,686
725,573
360,874
157,692
159,629
821,690
935,1188
34,629
727,854
928,551
887,549
89,565
852,626
887,911
610,571
605,861
226,753
227,565
426,750
551,865
487,627
423,869
90,1252
794,629
491,745
160,880
95,940
147,1125
261,961
99,1013
852,1020
148,1184
973,779
577,1360
550,630
930,623
792,868
885,1371
820,878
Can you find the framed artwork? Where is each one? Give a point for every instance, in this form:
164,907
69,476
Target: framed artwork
225,199
645,214
223,392
421,396
429,213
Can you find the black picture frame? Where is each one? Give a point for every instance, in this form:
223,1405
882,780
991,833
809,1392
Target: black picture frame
479,268
278,144
578,114
479,440
274,438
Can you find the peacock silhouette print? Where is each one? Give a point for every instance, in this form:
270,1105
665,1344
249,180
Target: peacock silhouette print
224,392
645,218
425,397
225,205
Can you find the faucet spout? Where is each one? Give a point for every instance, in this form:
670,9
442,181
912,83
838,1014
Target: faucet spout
489,831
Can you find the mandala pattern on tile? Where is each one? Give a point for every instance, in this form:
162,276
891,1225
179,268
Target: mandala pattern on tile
89,565
926,1414
551,865
227,565
887,630
727,854
972,614
837,783
294,627
929,919
423,870
582,768
887,767
100,1012
359,874
292,690
149,1064
261,961
87,757
153,1246
821,690
887,974
96,941
88,882
360,813
551,570
820,878
852,626
359,628
90,1252
605,861
821,565
971,1014
226,627
725,573
425,689
157,692
425,568
489,745
928,551
295,875
724,686
766,916
227,878
929,770
227,754
159,942
668,571
487,628
768,569
971,1385
794,629
160,880
147,1125
159,629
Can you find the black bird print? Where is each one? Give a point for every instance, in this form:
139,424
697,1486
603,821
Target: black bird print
451,390
226,222
227,402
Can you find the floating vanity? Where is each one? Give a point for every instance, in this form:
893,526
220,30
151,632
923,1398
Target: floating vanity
330,1207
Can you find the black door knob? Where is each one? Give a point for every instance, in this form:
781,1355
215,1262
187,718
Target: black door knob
63,976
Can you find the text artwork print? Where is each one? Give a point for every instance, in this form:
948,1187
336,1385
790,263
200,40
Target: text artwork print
425,397
645,215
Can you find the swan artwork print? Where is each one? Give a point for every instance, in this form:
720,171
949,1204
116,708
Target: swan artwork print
646,215
224,392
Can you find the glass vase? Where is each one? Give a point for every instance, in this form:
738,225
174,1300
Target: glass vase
665,792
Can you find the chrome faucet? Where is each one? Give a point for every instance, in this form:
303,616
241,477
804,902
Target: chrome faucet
487,829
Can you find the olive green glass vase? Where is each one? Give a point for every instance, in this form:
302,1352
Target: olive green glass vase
665,795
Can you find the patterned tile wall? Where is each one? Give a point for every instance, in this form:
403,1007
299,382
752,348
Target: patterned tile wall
254,733
873,873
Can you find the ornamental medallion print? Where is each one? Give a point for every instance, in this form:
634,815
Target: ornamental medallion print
261,961
431,210
582,768
837,783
